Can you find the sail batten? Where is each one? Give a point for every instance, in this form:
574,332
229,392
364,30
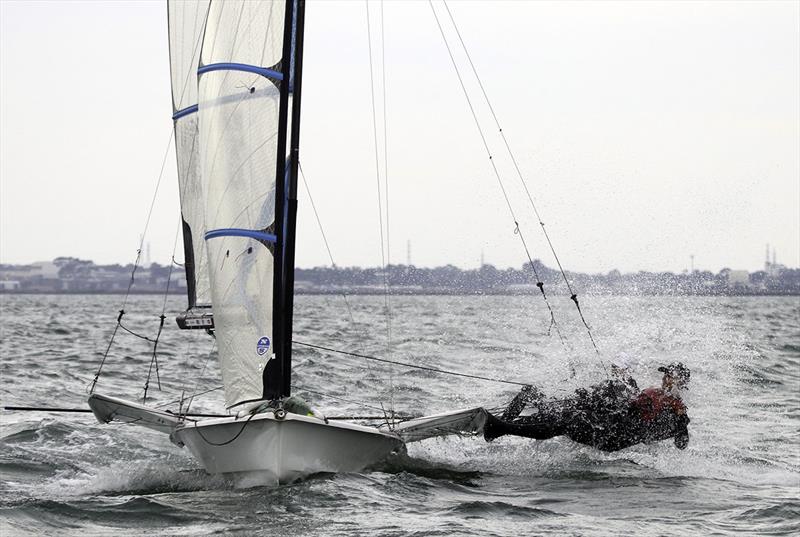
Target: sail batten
237,232
244,67
185,112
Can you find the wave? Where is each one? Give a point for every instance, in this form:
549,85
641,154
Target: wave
43,431
497,509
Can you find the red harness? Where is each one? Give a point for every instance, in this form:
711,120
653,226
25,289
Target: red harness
653,401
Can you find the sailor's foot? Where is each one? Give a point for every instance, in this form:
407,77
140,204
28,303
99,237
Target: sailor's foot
493,428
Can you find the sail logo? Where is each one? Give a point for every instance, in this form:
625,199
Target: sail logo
262,346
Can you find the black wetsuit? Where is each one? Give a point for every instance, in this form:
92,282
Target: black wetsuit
605,417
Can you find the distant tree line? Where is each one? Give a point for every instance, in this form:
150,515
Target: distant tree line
68,274
489,279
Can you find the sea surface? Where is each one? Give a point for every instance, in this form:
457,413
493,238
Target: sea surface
66,474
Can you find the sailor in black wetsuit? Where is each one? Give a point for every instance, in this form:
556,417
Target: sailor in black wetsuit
609,416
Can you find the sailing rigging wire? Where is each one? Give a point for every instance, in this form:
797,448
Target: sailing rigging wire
197,384
517,229
216,388
154,359
365,405
386,194
147,225
406,364
179,400
384,246
573,295
385,141
89,410
186,416
237,435
333,264
377,165
135,266
162,317
342,293
324,238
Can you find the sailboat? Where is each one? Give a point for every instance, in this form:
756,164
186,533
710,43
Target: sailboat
236,73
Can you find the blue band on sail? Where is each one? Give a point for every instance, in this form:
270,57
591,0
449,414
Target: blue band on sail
185,112
263,71
237,232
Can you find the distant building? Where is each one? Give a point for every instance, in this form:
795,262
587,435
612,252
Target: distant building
43,270
738,277
9,285
8,272
773,268
46,269
178,280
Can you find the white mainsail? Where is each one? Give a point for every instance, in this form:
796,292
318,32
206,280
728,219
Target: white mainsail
238,113
187,20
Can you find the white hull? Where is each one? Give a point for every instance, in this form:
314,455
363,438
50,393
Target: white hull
288,448
284,450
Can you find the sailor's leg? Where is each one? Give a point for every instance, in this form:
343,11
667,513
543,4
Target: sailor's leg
527,394
540,430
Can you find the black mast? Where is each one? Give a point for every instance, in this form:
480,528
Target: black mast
291,204
277,373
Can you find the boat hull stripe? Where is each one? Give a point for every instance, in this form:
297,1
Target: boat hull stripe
237,232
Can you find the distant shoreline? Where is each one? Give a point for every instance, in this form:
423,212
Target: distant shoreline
66,275
431,292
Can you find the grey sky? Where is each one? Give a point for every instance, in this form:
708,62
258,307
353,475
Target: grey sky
647,132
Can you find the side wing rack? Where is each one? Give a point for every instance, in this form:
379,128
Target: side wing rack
459,422
107,409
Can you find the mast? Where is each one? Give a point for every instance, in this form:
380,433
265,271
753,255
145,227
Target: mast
277,373
291,221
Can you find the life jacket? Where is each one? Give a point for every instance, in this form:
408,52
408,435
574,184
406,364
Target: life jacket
651,402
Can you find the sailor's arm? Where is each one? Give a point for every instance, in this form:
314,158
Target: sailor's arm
682,429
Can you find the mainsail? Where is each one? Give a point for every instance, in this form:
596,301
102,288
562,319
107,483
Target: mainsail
237,165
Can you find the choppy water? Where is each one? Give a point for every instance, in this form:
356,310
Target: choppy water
66,474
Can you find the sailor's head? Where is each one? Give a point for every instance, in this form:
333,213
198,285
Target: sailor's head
676,376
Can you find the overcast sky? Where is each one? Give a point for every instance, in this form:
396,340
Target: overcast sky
646,131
